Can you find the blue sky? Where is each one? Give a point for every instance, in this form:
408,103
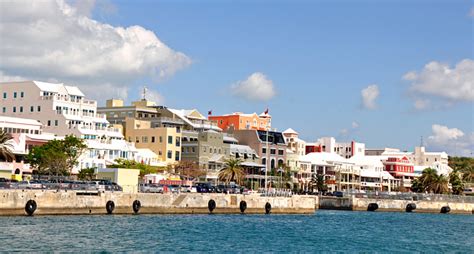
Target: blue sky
318,56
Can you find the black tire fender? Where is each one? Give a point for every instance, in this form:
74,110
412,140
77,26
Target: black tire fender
30,207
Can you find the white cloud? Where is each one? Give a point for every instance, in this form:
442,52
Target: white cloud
257,87
355,125
46,40
452,140
155,96
438,80
369,95
347,132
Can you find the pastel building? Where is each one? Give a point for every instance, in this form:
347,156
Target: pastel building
400,168
329,145
64,110
296,148
241,121
26,134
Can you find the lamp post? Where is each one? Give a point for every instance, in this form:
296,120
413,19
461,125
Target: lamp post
280,170
266,162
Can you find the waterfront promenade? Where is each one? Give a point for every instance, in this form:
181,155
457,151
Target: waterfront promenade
62,202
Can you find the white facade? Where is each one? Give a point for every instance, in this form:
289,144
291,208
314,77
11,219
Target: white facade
422,159
346,150
63,110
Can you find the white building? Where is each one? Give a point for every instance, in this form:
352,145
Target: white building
346,150
63,110
26,133
420,158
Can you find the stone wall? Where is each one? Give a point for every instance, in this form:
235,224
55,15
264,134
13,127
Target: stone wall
13,202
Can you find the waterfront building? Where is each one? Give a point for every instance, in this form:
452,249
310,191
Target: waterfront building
64,110
400,168
296,148
420,158
208,150
26,134
329,145
339,174
241,121
148,157
373,177
163,141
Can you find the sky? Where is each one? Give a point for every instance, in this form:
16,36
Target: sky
386,73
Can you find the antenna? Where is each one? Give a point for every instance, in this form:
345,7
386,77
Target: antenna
144,93
421,141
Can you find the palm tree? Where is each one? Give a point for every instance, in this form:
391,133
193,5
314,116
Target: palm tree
427,178
6,147
440,184
232,171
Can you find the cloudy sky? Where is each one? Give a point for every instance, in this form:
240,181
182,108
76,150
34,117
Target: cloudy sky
380,73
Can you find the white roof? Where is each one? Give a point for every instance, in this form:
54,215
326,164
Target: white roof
323,158
18,120
147,153
54,87
184,114
241,149
290,131
367,160
230,139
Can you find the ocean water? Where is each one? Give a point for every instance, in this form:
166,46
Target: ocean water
324,231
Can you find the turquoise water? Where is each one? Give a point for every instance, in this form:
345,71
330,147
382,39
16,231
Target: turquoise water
324,231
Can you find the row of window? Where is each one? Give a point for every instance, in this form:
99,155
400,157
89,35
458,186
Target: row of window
15,95
20,109
145,139
19,130
273,151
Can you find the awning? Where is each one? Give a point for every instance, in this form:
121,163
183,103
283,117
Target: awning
252,164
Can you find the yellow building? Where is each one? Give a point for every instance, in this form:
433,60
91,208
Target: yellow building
164,141
126,178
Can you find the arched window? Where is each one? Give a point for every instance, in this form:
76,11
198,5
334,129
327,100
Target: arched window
272,164
264,161
17,171
280,162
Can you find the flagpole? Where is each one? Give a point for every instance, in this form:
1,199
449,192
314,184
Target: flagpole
266,165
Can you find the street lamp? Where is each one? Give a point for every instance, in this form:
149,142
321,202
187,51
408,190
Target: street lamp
280,170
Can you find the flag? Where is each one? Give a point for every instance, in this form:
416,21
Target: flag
266,111
209,112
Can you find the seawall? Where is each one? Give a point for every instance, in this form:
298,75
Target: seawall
459,205
51,202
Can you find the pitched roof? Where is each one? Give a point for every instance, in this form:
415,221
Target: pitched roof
290,131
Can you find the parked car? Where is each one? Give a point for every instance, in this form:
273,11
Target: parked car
338,194
151,188
204,188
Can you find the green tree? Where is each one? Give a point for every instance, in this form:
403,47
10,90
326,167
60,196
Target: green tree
457,186
321,183
6,148
232,171
57,157
132,164
417,186
440,185
86,174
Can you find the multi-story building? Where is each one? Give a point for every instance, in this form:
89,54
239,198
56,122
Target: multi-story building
296,148
373,177
63,110
339,174
420,158
164,141
207,149
402,169
329,145
241,121
26,133
271,148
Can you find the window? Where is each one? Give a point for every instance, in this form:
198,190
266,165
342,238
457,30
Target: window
178,141
264,161
32,108
14,94
55,122
49,122
170,139
22,94
152,139
193,150
39,109
264,150
144,139
176,156
4,110
161,139
170,154
21,109
4,95
14,109
273,151
280,152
